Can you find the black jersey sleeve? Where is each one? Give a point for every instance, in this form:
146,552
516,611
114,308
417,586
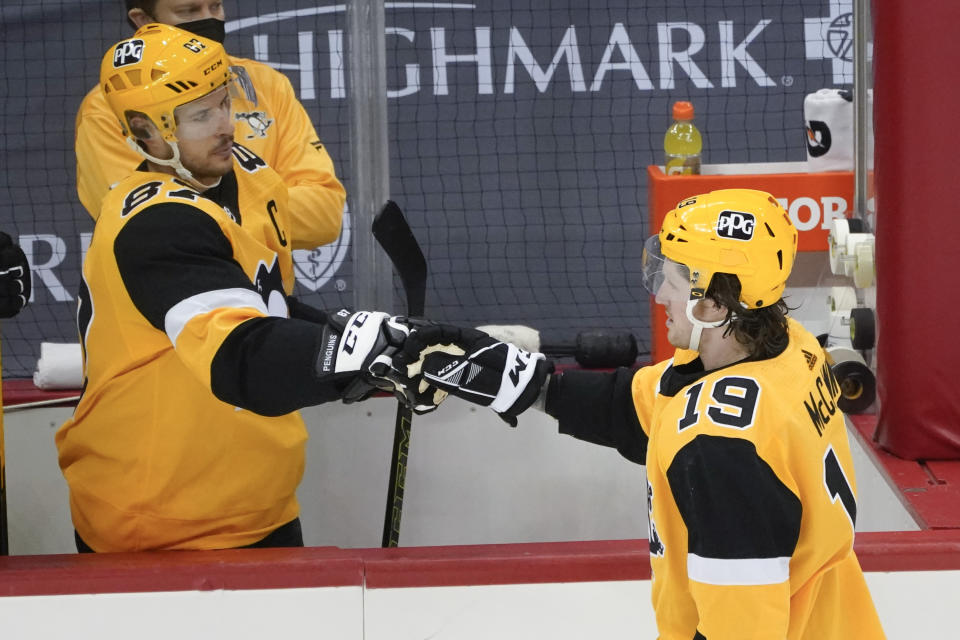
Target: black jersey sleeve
733,504
597,407
268,365
169,252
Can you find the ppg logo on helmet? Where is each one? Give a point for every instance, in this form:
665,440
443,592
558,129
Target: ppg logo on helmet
127,52
736,225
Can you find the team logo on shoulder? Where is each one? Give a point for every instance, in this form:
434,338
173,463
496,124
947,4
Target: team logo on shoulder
810,358
736,225
127,52
257,121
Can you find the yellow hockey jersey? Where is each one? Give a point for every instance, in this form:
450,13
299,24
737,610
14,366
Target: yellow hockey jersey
182,318
274,125
752,499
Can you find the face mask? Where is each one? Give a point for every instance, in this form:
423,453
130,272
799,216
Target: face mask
210,28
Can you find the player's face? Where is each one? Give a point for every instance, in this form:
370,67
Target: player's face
178,11
205,136
674,293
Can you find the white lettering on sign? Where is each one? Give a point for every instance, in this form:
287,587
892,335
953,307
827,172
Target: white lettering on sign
808,213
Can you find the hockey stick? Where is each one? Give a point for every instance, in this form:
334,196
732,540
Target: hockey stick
596,349
393,233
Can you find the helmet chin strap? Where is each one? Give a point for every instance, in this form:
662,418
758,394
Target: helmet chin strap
174,163
698,325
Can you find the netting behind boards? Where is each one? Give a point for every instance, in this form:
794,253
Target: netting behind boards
520,133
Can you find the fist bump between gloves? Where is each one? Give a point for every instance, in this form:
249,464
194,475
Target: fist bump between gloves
420,362
474,366
366,342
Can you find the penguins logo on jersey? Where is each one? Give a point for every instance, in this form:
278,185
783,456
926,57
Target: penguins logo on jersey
257,121
269,285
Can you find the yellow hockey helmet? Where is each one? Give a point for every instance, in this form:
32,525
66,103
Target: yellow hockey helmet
739,231
158,69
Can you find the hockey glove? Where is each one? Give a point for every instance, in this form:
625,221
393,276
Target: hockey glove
363,343
471,365
14,278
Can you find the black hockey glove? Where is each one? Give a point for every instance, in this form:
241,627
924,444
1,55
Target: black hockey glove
363,343
471,365
14,278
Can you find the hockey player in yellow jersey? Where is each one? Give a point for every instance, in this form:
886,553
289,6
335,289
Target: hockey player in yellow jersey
750,484
195,360
270,121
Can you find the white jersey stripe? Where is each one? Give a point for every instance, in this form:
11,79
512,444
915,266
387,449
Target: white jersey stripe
750,571
184,311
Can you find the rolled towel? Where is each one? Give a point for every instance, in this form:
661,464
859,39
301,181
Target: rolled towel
828,114
60,366
521,335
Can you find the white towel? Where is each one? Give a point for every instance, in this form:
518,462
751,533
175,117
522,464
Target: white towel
60,366
828,114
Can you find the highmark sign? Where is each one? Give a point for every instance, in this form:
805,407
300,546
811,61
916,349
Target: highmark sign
677,52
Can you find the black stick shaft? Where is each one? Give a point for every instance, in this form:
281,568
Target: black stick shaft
603,348
393,233
398,476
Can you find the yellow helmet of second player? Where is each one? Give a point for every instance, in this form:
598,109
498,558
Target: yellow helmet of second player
739,231
160,68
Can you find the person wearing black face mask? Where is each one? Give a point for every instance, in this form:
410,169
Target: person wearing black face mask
270,122
205,19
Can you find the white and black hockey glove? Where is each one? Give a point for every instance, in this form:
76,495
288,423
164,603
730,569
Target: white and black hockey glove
14,277
363,343
471,365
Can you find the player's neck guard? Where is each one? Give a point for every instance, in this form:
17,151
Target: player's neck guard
699,325
174,163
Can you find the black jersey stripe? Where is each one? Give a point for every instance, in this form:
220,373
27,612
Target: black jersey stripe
733,504
170,252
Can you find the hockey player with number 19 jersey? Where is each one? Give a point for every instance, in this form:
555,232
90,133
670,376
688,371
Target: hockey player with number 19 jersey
750,486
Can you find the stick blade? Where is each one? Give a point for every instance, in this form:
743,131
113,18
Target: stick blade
393,233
